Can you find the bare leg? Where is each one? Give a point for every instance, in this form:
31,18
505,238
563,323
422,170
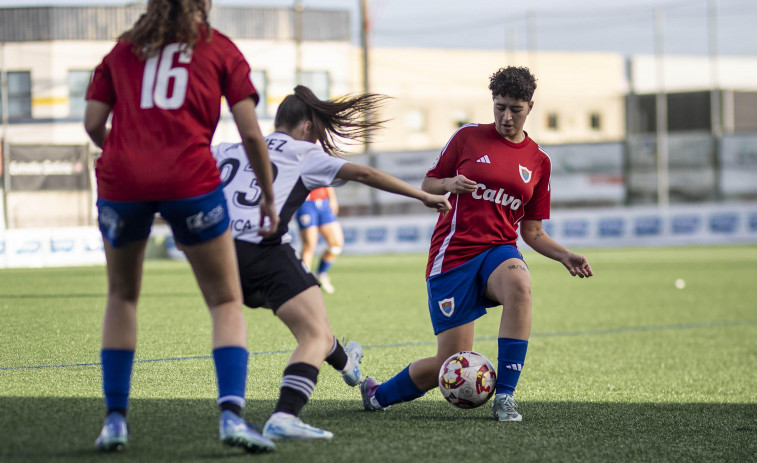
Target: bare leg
425,372
305,316
124,267
215,267
309,238
334,236
510,285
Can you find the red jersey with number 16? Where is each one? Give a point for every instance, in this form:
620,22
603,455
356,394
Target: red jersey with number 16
165,110
513,184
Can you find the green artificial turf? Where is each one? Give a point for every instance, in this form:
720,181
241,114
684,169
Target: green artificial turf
624,366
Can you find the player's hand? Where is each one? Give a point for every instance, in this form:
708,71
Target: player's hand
577,265
269,218
437,202
459,184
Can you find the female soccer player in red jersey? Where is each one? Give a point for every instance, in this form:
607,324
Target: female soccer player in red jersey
162,83
498,179
318,215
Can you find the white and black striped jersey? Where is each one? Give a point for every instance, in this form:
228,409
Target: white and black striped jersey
298,167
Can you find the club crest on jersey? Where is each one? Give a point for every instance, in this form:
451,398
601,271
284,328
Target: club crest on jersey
525,174
447,306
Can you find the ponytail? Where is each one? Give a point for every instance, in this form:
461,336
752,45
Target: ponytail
348,119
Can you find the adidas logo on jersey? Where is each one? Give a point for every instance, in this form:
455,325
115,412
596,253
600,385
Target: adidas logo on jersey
496,196
484,159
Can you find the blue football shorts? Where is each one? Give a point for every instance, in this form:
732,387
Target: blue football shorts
456,296
314,214
193,220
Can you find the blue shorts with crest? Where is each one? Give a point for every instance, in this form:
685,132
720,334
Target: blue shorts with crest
193,220
456,296
314,214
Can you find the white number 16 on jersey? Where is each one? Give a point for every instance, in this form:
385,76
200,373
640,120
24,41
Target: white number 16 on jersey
159,71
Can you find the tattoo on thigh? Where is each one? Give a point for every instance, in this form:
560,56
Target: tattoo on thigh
516,267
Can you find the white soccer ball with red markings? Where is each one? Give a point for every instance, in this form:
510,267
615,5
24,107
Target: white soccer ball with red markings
467,379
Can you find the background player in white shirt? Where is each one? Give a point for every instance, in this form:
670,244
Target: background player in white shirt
498,179
272,274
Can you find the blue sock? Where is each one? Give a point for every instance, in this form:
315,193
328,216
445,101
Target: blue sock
511,355
399,388
116,366
231,373
324,266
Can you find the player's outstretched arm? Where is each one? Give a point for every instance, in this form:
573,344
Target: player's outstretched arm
379,179
257,153
534,235
458,184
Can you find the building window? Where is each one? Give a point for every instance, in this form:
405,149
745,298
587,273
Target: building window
552,121
415,120
461,118
317,81
260,81
19,95
78,81
595,121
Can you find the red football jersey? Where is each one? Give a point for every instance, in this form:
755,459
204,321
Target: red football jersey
513,184
318,193
165,110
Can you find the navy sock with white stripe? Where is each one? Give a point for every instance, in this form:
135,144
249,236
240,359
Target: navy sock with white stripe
511,355
297,386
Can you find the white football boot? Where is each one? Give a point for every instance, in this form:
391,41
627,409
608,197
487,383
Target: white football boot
285,426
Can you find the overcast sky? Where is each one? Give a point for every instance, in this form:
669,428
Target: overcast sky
623,26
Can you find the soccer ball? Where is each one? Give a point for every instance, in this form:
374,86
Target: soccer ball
467,379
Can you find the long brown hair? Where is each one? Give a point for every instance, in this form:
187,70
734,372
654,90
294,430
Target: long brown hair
347,119
167,21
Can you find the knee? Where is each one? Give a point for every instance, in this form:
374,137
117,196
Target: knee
334,250
318,336
222,298
308,242
123,293
520,292
319,341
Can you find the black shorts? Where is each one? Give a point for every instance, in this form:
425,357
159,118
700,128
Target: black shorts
271,275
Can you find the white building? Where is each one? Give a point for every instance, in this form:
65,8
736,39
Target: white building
48,53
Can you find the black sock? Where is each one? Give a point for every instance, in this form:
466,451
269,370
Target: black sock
297,386
116,410
232,407
337,358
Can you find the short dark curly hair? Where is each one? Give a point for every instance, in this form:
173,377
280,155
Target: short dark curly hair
515,82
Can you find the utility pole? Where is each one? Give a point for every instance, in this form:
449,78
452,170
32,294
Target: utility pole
510,45
663,174
716,107
5,108
531,38
364,31
298,8
365,26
